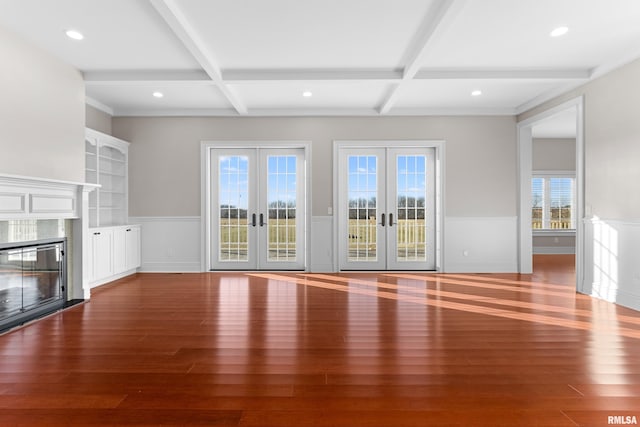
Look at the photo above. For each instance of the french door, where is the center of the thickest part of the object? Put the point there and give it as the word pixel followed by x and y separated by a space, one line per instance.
pixel 257 209
pixel 386 208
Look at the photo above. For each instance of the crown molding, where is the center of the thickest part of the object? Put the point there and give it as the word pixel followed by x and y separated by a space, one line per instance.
pixel 99 105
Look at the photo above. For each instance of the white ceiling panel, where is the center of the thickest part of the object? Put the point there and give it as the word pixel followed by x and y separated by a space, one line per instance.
pixel 119 34
pixel 336 95
pixel 307 33
pixel 376 57
pixel 516 34
pixel 131 99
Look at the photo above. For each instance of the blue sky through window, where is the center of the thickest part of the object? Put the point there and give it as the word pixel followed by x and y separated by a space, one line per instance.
pixel 234 181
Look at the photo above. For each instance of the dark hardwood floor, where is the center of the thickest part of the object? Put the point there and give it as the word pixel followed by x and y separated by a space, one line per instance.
pixel 271 349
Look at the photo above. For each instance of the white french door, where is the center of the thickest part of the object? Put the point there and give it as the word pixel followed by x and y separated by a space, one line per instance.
pixel 386 208
pixel 257 209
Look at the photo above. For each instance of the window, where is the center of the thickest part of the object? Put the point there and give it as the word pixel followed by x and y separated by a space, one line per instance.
pixel 553 202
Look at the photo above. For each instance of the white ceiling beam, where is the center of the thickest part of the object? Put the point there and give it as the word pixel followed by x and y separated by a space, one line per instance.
pixel 243 76
pixel 438 18
pixel 179 24
pixel 502 74
pixel 97 78
pixel 199 77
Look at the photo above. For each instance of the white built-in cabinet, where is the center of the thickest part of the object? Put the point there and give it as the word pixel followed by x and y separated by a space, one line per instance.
pixel 114 245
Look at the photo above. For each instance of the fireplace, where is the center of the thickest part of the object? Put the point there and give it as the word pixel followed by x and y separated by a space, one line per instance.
pixel 33 280
pixel 44 234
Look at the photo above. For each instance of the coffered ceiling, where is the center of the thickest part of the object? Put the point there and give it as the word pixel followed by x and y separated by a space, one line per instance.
pixel 350 57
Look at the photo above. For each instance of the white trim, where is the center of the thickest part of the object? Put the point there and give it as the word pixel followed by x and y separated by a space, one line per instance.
pixel 525 173
pixel 503 73
pixel 389 75
pixel 553 173
pixel 624 222
pixel 549 95
pixel 170 267
pixel 439 146
pixel 137 77
pixel 205 188
pixel 41 198
pixel 99 105
pixel 554 233
pixel 554 250
pixel 134 219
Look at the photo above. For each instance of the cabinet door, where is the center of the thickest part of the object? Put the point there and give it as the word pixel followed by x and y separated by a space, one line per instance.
pixel 132 247
pixel 119 250
pixel 101 253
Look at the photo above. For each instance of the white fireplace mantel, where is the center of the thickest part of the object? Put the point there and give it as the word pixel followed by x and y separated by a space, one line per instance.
pixel 23 197
pixel 31 198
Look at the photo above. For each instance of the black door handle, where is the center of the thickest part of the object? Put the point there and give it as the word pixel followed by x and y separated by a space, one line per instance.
pixel 261 220
pixel 382 218
pixel 253 220
pixel 390 220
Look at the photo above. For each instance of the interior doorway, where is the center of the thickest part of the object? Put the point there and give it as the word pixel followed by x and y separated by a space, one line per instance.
pixel 551 207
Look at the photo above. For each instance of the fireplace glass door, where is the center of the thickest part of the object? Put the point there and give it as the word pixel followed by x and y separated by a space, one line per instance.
pixel 32 280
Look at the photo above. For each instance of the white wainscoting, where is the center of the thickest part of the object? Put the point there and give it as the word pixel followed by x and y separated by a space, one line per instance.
pixel 612 267
pixel 321 244
pixel 172 244
pixel 169 244
pixel 481 245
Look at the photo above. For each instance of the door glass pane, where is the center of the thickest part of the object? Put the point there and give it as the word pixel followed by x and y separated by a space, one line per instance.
pixel 281 200
pixel 362 198
pixel 411 233
pixel 233 197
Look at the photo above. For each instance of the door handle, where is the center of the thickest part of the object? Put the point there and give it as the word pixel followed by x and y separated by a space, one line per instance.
pixel 382 218
pixel 261 220
pixel 390 220
pixel 253 220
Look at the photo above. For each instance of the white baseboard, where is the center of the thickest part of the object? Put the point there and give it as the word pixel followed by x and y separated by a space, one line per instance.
pixel 554 250
pixel 171 267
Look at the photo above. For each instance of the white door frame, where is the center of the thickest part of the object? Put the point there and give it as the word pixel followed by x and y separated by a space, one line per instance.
pixel 439 147
pixel 205 191
pixel 525 159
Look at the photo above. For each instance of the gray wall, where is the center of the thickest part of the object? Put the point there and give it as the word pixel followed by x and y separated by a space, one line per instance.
pixel 612 199
pixel 41 113
pixel 612 141
pixel 554 154
pixel 97 120
pixel 164 156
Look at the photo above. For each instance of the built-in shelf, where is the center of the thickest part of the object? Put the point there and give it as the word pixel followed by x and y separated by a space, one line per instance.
pixel 106 165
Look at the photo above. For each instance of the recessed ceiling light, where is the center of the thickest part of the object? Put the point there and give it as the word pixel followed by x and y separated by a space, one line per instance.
pixel 158 94
pixel 307 94
pixel 560 31
pixel 73 34
pixel 476 93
